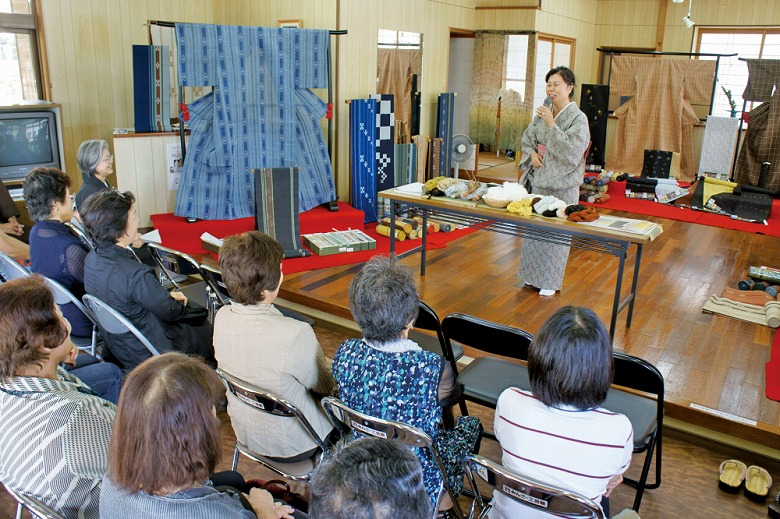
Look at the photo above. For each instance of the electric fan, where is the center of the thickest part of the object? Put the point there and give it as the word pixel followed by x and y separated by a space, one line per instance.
pixel 462 149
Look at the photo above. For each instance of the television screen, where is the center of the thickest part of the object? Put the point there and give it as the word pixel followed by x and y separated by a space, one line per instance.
pixel 25 141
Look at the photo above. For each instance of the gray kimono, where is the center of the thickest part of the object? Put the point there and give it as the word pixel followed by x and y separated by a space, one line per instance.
pixel 542 264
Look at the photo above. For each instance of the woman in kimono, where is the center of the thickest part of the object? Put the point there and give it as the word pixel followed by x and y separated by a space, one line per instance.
pixel 555 142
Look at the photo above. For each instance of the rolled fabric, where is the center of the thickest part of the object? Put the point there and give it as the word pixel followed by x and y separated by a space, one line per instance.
pixel 384 230
pixel 598 199
pixel 398 224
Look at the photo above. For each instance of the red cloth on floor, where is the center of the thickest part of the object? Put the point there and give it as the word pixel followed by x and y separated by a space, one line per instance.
pixel 773 370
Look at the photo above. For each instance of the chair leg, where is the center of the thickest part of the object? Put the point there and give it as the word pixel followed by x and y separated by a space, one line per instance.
pixel 641 483
pixel 19 509
pixel 464 411
pixel 235 458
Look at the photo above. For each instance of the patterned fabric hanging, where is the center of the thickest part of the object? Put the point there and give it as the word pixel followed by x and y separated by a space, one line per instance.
pixel 405 164
pixel 385 140
pixel 444 122
pixel 717 151
pixel 594 103
pixel 151 85
pixel 362 148
pixel 257 116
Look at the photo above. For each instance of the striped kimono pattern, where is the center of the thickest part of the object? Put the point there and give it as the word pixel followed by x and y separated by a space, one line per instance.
pixel 256 117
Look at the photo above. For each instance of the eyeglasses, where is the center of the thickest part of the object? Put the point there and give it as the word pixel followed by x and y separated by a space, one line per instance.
pixel 110 158
pixel 72 197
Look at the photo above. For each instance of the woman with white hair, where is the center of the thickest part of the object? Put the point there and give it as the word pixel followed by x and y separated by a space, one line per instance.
pixel 96 164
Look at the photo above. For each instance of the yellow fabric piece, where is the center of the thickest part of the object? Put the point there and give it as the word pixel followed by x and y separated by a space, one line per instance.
pixel 522 207
pixel 713 186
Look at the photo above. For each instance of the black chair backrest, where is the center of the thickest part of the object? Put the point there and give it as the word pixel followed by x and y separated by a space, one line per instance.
pixel 638 374
pixel 494 338
pixel 213 277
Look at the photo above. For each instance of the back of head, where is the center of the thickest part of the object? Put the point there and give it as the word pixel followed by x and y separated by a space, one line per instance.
pixel 105 216
pixel 570 360
pixel 370 478
pixel 43 187
pixel 88 156
pixel 29 324
pixel 165 434
pixel 250 263
pixel 383 298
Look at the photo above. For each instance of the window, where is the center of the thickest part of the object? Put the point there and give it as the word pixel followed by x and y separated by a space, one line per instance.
pixel 20 77
pixel 551 52
pixel 516 63
pixel 399 40
pixel 732 73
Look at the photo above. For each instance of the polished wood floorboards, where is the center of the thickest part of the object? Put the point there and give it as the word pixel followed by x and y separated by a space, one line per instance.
pixel 707 360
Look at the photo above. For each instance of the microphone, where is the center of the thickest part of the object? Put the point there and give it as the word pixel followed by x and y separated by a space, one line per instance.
pixel 547 103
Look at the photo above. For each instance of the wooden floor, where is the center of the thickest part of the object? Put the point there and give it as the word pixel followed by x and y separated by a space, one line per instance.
pixel 709 361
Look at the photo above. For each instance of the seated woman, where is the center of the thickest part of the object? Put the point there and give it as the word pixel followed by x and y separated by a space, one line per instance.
pixel 388 376
pixel 166 412
pixel 557 433
pixel 255 342
pixel 56 252
pixel 112 274
pixel 96 164
pixel 54 443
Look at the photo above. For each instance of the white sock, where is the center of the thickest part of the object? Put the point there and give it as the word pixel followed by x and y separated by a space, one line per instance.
pixel 546 292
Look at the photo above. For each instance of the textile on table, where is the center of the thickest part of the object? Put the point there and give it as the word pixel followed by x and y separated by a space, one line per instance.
pixel 762 139
pixel 659 114
pixel 385 140
pixel 151 85
pixel 720 142
pixel 444 121
pixel 594 103
pixel 251 119
pixel 405 164
pixel 362 150
pixel 277 213
pixel 403 386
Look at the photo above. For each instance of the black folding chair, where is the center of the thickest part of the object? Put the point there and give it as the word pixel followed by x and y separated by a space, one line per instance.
pixel 531 493
pixel 428 320
pixel 645 411
pixel 267 402
pixel 486 377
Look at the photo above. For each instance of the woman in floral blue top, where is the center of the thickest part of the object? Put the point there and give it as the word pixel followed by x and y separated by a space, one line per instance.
pixel 386 375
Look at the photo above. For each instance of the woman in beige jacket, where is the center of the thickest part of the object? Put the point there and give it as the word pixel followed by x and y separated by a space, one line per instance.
pixel 256 343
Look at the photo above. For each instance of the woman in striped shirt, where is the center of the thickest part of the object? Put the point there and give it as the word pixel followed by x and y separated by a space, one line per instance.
pixel 558 433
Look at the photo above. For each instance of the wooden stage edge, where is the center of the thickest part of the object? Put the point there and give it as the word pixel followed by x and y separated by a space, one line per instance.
pixel 766 436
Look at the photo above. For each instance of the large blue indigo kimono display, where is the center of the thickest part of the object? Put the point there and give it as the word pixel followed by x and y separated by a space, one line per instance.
pixel 259 115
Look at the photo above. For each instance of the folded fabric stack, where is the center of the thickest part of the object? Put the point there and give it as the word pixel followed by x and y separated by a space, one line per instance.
pixel 767 314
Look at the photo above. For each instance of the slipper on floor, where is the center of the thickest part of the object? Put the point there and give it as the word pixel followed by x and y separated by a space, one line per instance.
pixel 732 475
pixel 757 483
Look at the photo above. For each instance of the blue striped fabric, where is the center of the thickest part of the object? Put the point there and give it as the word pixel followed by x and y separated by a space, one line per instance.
pixel 362 148
pixel 251 120
pixel 444 124
pixel 151 83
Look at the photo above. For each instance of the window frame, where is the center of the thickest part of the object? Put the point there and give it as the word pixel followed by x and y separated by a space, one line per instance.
pixel 32 25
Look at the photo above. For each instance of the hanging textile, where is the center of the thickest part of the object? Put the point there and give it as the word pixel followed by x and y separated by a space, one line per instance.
pixel 434 150
pixel 594 103
pixel 163 35
pixel 255 73
pixel 762 139
pixel 659 114
pixel 385 140
pixel 717 151
pixel 276 195
pixel 444 122
pixel 362 151
pixel 395 71
pixel 421 142
pixel 151 86
pixel 405 164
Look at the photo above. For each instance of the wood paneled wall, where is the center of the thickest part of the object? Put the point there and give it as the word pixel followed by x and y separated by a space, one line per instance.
pixel 89 44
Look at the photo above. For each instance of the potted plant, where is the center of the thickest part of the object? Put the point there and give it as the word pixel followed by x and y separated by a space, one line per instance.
pixel 732 103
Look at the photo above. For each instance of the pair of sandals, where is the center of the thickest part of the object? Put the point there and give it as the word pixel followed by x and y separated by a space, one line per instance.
pixel 756 480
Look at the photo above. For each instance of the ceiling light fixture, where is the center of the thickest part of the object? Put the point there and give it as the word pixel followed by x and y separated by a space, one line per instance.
pixel 687 18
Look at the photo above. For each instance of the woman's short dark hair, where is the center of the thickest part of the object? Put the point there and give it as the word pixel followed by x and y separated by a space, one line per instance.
pixel 383 298
pixel 570 359
pixel 566 74
pixel 250 263
pixel 42 187
pixel 369 478
pixel 89 155
pixel 105 216
pixel 29 324
pixel 165 434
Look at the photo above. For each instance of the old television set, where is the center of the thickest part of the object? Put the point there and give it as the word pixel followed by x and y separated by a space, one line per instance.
pixel 29 138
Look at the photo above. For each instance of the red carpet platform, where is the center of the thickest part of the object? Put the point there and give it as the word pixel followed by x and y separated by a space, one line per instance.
pixel 179 234
pixel 618 202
